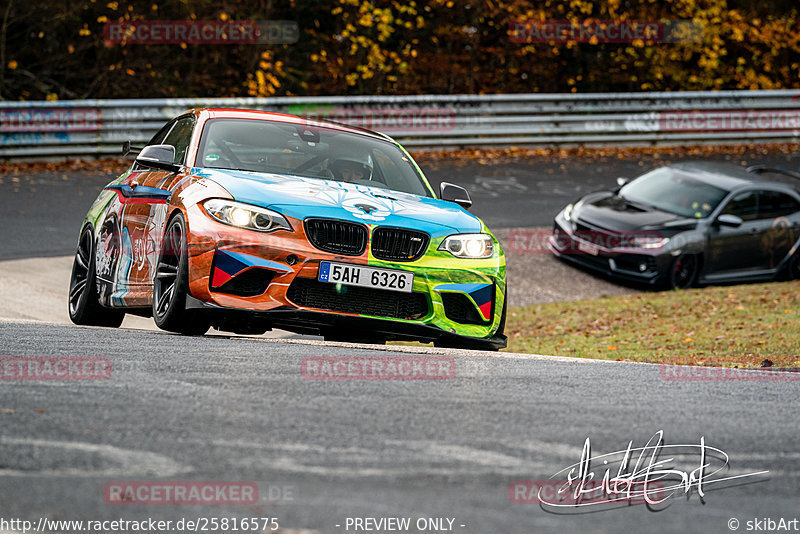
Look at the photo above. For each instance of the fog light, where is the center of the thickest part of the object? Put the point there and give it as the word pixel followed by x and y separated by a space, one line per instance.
pixel 642 267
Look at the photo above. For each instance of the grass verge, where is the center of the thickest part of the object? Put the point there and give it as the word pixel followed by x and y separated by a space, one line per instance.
pixel 736 326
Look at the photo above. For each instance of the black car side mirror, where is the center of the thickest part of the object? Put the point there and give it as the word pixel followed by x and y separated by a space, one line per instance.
pixel 455 193
pixel 728 219
pixel 158 157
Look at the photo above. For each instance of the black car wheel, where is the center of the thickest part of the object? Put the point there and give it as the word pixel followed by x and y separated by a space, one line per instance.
pixel 84 308
pixel 683 271
pixel 171 285
pixel 794 267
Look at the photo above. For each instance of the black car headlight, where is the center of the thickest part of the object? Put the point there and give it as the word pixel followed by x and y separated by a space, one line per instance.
pixel 471 246
pixel 649 242
pixel 245 216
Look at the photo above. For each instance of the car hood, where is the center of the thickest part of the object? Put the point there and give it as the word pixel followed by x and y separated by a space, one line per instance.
pixel 301 198
pixel 609 211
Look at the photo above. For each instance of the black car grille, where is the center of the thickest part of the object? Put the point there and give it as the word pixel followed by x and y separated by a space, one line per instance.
pixel 599 261
pixel 311 293
pixel 458 308
pixel 338 237
pixel 248 284
pixel 398 244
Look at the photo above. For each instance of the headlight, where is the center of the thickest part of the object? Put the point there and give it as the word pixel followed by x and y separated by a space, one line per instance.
pixel 568 212
pixel 469 245
pixel 245 215
pixel 653 241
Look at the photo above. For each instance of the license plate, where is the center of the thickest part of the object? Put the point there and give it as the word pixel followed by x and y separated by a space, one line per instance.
pixel 588 248
pixel 356 275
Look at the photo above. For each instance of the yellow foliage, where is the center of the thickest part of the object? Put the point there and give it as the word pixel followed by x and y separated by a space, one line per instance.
pixel 266 79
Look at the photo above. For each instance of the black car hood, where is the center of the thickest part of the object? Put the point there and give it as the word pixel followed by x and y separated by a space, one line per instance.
pixel 606 210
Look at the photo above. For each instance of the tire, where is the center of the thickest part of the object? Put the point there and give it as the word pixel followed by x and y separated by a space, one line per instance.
pixel 83 305
pixel 171 284
pixel 793 269
pixel 683 271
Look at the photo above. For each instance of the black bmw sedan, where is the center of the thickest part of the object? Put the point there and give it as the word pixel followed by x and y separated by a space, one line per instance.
pixel 686 224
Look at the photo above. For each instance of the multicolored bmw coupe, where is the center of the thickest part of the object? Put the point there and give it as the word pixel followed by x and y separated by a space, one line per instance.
pixel 246 221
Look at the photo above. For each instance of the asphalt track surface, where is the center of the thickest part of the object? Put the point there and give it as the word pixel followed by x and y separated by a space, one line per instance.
pixel 238 409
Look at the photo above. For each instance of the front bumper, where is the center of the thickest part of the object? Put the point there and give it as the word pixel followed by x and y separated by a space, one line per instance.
pixel 453 300
pixel 635 265
pixel 320 323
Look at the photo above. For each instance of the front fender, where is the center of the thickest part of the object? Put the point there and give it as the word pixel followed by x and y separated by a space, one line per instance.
pixel 691 242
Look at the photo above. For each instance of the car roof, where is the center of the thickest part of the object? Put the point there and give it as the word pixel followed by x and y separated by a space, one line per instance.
pixel 232 113
pixel 729 176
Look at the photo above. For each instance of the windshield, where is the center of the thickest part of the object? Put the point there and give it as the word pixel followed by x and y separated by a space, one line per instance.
pixel 313 152
pixel 674 192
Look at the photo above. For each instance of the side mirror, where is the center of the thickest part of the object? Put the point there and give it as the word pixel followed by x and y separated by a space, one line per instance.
pixel 158 157
pixel 727 219
pixel 622 181
pixel 455 193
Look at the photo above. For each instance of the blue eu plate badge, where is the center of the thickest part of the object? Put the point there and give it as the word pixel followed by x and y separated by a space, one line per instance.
pixel 324 271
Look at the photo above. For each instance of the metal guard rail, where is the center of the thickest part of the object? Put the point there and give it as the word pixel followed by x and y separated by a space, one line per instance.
pixel 98 127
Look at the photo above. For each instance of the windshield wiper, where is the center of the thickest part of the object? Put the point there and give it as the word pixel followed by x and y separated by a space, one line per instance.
pixel 639 203
pixel 231 169
pixel 651 207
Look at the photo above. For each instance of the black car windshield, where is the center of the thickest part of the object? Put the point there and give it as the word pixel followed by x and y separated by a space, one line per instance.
pixel 308 151
pixel 675 192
